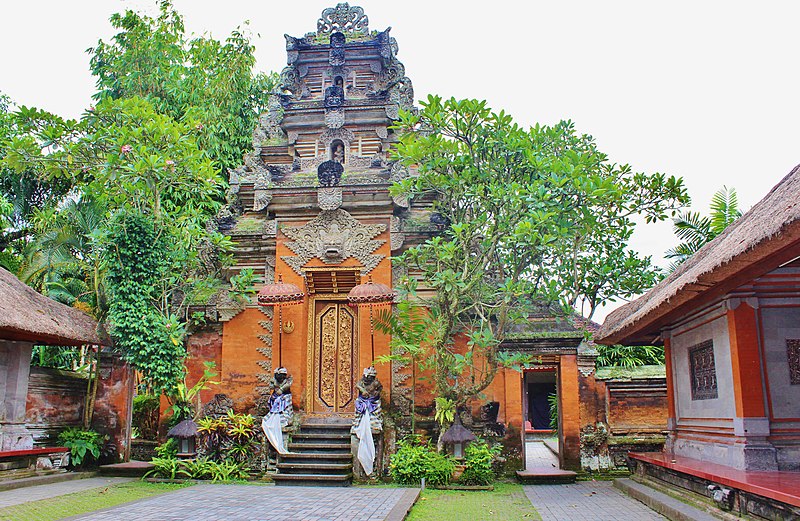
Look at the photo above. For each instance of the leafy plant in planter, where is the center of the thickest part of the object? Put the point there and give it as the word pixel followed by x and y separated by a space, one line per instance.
pixel 415 460
pixel 478 463
pixel 84 445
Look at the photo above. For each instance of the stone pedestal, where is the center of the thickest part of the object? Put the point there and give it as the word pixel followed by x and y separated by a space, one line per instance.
pixel 15 364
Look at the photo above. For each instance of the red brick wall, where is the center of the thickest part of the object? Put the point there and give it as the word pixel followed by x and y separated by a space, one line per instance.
pixel 113 402
pixel 55 402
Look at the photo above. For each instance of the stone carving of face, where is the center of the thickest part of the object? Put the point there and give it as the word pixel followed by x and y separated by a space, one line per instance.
pixel 280 377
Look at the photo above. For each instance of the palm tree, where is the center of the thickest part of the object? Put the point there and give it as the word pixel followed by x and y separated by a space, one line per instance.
pixel 695 230
pixel 64 260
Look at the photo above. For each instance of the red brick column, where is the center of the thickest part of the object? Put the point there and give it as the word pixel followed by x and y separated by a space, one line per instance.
pixel 569 413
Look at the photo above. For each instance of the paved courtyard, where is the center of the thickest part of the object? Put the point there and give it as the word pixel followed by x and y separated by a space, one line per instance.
pixel 587 501
pixel 24 495
pixel 265 503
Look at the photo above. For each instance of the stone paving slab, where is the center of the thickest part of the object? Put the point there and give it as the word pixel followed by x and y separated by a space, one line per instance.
pixel 587 501
pixel 34 493
pixel 265 503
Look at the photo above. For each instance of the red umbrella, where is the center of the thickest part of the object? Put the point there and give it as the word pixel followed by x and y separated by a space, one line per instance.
pixel 371 294
pixel 280 294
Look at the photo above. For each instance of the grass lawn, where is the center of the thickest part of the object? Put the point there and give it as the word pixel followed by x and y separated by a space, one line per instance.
pixel 84 502
pixel 506 502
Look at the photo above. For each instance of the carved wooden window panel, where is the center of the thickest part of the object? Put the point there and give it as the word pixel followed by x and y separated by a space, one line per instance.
pixel 793 355
pixel 703 371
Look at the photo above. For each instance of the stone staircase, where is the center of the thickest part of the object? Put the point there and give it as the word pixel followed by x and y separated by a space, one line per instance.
pixel 320 456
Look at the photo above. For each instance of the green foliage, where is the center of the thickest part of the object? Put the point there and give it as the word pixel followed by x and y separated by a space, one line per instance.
pixel 696 230
pixel 629 356
pixel 552 402
pixel 409 325
pixel 230 438
pixel 415 460
pixel 64 258
pixel 150 340
pixel 478 460
pixel 182 397
pixel 200 468
pixel 445 411
pixel 84 445
pixel 243 284
pixel 145 415
pixel 168 449
pixel 187 78
pixel 164 467
pixel 528 217
pixel 22 194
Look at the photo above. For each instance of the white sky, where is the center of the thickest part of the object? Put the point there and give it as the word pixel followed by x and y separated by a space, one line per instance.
pixel 705 90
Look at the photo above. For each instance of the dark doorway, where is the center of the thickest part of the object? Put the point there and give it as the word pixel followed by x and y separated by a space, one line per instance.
pixel 539 404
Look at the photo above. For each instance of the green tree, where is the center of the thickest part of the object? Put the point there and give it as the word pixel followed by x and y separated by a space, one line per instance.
pixel 695 230
pixel 200 79
pixel 530 216
pixel 22 194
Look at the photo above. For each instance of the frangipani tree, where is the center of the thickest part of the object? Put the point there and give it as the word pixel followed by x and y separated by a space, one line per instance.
pixel 529 216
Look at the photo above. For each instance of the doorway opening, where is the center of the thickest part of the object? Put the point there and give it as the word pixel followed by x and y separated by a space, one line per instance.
pixel 540 391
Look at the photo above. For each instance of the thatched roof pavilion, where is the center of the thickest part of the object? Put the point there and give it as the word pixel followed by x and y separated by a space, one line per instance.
pixel 761 240
pixel 26 315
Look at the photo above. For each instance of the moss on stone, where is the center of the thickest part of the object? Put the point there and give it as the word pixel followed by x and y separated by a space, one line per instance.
pixel 631 373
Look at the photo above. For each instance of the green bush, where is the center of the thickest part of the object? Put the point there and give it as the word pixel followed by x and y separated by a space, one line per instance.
pixel 415 460
pixel 479 457
pixel 145 415
pixel 84 445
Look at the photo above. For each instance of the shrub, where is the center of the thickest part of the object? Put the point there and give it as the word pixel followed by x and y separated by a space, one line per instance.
pixel 84 445
pixel 229 438
pixel 200 468
pixel 478 463
pixel 145 415
pixel 415 460
pixel 168 449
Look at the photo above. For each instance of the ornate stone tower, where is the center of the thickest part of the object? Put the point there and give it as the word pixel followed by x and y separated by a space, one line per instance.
pixel 311 205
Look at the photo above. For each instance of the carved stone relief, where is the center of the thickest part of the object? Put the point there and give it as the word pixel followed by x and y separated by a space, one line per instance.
pixel 332 237
pixel 334 118
pixel 703 371
pixel 329 198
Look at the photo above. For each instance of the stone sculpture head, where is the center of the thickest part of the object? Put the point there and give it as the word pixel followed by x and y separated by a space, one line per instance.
pixel 281 374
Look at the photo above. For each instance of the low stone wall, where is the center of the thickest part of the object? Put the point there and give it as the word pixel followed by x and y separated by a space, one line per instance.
pixel 628 407
pixel 55 402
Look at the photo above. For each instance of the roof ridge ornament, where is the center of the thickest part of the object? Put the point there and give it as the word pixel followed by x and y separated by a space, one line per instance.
pixel 343 18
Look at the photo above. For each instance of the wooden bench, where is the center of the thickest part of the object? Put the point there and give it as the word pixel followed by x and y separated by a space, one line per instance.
pixel 29 458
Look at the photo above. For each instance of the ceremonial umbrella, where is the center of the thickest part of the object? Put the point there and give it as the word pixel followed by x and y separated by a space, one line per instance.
pixel 279 294
pixel 371 294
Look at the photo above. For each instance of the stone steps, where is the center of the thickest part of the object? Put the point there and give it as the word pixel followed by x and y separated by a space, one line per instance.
pixel 320 455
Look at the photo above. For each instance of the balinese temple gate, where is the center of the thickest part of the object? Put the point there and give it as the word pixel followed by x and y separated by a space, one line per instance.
pixel 311 207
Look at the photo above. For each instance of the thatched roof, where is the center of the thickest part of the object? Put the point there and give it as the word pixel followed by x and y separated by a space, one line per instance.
pixel 457 433
pixel 763 239
pixel 185 429
pixel 26 315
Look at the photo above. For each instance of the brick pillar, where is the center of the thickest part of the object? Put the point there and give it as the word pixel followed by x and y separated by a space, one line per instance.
pixel 569 452
pixel 15 365
pixel 113 406
pixel 751 421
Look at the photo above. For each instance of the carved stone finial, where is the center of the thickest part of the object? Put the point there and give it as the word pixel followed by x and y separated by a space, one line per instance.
pixel 343 18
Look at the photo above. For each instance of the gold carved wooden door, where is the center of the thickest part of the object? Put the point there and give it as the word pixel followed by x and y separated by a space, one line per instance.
pixel 335 360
